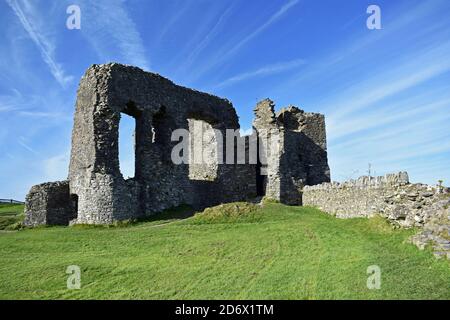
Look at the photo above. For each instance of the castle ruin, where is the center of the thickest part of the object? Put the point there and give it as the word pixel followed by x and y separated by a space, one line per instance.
pixel 97 193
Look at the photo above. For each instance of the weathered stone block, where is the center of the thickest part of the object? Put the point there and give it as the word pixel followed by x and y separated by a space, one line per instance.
pixel 49 204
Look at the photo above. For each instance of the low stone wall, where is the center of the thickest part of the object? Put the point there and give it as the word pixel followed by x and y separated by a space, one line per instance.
pixel 49 204
pixel 436 232
pixel 392 196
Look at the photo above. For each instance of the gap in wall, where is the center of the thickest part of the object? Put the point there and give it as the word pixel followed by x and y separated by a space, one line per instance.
pixel 127 133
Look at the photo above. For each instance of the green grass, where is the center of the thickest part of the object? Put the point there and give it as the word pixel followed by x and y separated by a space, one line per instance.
pixel 10 215
pixel 277 252
pixel 10 209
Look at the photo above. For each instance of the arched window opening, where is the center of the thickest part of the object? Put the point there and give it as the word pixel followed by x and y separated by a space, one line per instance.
pixel 127 145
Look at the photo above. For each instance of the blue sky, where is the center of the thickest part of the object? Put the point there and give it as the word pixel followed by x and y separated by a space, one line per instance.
pixel 385 93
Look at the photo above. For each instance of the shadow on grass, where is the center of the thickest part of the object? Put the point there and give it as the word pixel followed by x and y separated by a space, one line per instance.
pixel 164 217
pixel 177 213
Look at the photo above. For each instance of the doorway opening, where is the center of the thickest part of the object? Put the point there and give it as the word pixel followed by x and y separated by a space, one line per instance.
pixel 261 170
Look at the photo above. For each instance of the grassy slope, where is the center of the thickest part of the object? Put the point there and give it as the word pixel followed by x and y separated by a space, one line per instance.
pixel 10 214
pixel 282 253
pixel 10 209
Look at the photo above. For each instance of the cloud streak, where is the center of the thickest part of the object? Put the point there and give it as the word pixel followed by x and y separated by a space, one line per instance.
pixel 275 17
pixel 207 39
pixel 391 114
pixel 264 71
pixel 26 14
pixel 109 28
pixel 404 79
pixel 24 144
pixel 49 115
pixel 230 51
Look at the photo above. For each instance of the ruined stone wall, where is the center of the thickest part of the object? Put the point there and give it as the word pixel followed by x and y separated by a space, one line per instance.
pixel 436 231
pixel 238 180
pixel 304 160
pixel 392 196
pixel 270 141
pixel 305 145
pixel 294 143
pixel 159 107
pixel 100 194
pixel 49 204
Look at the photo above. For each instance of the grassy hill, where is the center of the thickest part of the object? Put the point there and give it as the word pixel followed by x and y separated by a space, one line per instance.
pixel 235 251
pixel 10 215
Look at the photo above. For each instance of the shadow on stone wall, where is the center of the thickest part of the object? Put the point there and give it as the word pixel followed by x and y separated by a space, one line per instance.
pixel 302 163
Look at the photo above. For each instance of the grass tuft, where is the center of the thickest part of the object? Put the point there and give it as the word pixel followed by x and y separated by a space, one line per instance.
pixel 229 213
pixel 268 200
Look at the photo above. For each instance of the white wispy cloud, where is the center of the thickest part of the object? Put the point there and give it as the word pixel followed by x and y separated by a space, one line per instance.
pixel 411 143
pixel 264 71
pixel 27 14
pixel 24 143
pixel 396 116
pixel 214 32
pixel 34 106
pixel 110 30
pixel 431 124
pixel 371 93
pixel 363 46
pixel 390 114
pixel 177 12
pixel 229 51
pixel 15 101
pixel 275 17
pixel 39 114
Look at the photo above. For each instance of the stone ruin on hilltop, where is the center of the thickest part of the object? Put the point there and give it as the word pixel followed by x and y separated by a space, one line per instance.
pixel 295 171
pixel 97 193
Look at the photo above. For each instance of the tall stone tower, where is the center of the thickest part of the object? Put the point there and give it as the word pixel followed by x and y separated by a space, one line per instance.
pixel 293 151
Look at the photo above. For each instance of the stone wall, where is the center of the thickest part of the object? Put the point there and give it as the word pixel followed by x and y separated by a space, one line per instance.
pixel 436 231
pixel 295 147
pixel 270 141
pixel 305 145
pixel 392 196
pixel 159 107
pixel 49 204
pixel 101 195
